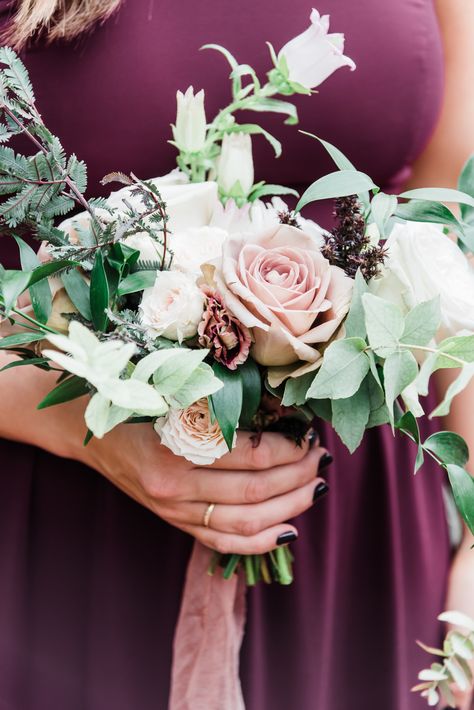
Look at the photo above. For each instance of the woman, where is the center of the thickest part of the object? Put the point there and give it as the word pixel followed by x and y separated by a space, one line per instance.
pixel 90 581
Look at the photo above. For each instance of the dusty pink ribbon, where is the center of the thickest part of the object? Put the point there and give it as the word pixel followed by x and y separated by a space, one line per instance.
pixel 208 636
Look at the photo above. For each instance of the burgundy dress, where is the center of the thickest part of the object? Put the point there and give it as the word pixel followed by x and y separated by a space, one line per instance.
pixel 86 611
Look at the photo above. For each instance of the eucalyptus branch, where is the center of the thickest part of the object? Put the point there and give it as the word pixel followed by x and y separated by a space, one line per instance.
pixel 434 351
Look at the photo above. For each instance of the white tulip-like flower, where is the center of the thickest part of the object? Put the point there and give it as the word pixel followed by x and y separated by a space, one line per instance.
pixel 173 307
pixel 196 246
pixel 191 433
pixel 235 164
pixel 314 55
pixel 190 130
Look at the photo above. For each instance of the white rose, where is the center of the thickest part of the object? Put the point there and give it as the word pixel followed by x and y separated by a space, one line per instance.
pixel 196 246
pixel 422 264
pixel 173 307
pixel 314 55
pixel 187 204
pixel 191 433
pixel 190 130
pixel 235 164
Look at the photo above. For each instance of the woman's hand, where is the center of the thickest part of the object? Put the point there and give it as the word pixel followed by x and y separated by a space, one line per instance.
pixel 255 489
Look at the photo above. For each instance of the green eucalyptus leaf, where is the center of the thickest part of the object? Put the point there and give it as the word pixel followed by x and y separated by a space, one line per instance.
pixel 408 424
pixel 462 484
pixel 439 194
pixel 338 184
pixel 296 389
pixel 400 369
pixel 99 293
pixel 350 416
pixel 78 291
pixel 40 293
pixel 466 184
pixel 422 323
pixel 382 207
pixel 227 402
pixel 384 322
pixel 176 369
pixel 455 388
pixel 448 447
pixel 344 367
pixel 321 408
pixel 355 321
pixel 202 383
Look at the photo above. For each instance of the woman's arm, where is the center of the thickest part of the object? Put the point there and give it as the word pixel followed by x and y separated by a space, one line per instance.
pixel 440 164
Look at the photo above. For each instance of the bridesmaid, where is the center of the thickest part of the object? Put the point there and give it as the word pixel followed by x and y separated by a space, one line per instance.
pixel 91 571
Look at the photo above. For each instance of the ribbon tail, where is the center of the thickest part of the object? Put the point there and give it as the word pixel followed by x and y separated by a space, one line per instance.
pixel 208 636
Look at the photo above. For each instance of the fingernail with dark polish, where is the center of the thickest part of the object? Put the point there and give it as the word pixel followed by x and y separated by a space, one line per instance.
pixel 313 438
pixel 320 491
pixel 286 537
pixel 325 461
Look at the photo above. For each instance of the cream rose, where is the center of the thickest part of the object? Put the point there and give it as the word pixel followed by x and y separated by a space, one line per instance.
pixel 279 285
pixel 173 307
pixel 424 263
pixel 191 433
pixel 196 246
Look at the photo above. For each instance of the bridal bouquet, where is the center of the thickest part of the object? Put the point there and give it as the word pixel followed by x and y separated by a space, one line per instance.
pixel 201 303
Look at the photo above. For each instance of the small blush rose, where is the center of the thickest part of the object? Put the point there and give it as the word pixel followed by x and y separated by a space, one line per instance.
pixel 279 285
pixel 173 306
pixel 228 340
pixel 191 433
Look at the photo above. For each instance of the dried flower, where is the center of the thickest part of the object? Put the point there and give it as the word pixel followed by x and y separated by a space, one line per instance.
pixel 226 337
pixel 349 246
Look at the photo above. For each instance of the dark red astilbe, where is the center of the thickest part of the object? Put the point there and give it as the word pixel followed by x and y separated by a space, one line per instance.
pixel 221 332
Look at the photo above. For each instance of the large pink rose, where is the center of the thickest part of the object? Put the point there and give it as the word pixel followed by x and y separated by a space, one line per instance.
pixel 279 285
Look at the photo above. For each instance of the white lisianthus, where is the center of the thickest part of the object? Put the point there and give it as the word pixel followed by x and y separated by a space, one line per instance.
pixel 314 55
pixel 192 434
pixel 424 263
pixel 235 164
pixel 196 246
pixel 173 307
pixel 190 130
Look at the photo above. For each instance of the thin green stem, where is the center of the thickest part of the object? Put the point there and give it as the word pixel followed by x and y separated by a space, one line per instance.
pixel 41 326
pixel 457 360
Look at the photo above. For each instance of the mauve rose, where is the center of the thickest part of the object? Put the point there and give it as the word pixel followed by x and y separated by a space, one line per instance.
pixel 228 340
pixel 279 285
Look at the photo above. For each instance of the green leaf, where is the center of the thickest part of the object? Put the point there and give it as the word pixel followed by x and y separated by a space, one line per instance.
pixel 459 384
pixel 227 402
pixel 422 323
pixel 201 383
pixel 466 184
pixel 296 389
pixel 176 369
pixel 338 184
pixel 408 424
pixel 344 367
pixel 448 447
pixel 71 388
pixel 255 129
pixel 321 408
pixel 78 291
pixel 463 490
pixel 251 392
pixel 136 282
pixel 277 106
pixel 350 417
pixel 400 369
pixel 382 207
pixel 272 190
pixel 99 293
pixel 433 212
pixel 384 322
pixel 29 361
pixel 439 194
pixel 13 284
pixel 41 298
pixel 11 341
pixel 355 321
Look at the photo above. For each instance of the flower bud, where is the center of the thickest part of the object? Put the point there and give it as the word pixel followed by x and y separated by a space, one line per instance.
pixel 190 130
pixel 235 165
pixel 310 58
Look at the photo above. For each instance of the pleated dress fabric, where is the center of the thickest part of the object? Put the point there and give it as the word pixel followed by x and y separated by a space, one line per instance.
pixel 90 582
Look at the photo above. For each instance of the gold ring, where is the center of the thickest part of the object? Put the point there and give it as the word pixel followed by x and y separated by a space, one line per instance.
pixel 207 515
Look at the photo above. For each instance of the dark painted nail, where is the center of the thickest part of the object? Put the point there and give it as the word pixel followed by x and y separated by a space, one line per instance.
pixel 320 491
pixel 286 537
pixel 325 461
pixel 313 438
